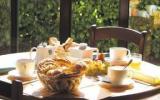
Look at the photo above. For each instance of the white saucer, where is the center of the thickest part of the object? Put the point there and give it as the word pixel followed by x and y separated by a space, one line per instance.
pixel 126 82
pixel 13 74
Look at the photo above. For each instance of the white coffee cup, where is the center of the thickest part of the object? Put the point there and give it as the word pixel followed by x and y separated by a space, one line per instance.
pixel 118 53
pixel 117 74
pixel 25 67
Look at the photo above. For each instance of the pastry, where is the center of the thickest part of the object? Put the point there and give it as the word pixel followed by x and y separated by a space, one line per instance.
pixel 53 41
pixel 67 44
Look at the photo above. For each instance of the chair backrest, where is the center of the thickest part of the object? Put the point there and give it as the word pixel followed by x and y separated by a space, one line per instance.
pixel 120 33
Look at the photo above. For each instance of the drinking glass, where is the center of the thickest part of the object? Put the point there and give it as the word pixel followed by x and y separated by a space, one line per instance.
pixel 137 59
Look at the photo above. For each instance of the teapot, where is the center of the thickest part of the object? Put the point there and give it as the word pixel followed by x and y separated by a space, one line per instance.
pixel 82 51
pixel 42 52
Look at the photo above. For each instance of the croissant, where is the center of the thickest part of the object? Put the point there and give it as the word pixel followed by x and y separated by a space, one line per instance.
pixel 67 44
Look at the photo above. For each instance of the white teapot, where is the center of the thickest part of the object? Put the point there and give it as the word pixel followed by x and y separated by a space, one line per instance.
pixel 42 51
pixel 82 51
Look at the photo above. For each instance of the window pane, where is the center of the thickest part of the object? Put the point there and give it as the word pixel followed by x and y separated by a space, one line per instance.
pixel 145 15
pixel 89 12
pixel 38 20
pixel 5 26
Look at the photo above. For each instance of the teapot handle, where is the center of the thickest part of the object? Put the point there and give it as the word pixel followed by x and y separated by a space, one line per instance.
pixel 31 51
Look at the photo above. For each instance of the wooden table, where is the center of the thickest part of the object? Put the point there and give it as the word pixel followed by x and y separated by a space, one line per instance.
pixel 88 89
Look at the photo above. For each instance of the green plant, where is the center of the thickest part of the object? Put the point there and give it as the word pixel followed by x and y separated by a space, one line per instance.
pixel 4 26
pixel 143 3
pixel 147 24
pixel 38 19
pixel 141 6
pixel 143 24
pixel 156 43
pixel 88 12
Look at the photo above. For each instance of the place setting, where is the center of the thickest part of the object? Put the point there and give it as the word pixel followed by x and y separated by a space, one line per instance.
pixel 24 71
pixel 119 74
pixel 117 77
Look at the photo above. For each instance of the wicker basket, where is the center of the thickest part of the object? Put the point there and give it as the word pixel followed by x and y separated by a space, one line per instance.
pixel 63 83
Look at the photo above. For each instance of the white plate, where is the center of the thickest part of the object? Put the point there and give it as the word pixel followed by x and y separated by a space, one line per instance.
pixel 15 73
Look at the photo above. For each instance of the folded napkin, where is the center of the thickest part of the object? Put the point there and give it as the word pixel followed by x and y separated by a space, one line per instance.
pixel 148 73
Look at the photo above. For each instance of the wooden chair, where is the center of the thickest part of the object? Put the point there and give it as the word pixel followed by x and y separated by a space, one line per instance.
pixel 120 33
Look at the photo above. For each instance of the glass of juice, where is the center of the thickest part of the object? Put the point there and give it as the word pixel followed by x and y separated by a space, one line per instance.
pixel 137 59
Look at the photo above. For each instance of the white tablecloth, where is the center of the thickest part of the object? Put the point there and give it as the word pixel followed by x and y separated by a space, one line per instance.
pixel 8 61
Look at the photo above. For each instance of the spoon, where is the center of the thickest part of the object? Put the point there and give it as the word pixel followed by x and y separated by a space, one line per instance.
pixel 128 64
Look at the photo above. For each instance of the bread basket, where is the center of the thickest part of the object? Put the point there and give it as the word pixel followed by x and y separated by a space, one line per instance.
pixel 61 81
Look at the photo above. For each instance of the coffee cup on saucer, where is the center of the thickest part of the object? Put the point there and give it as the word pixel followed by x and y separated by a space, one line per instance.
pixel 25 67
pixel 118 75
